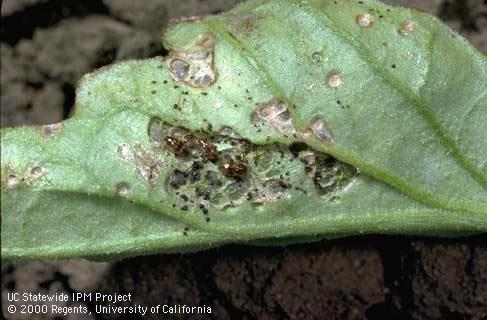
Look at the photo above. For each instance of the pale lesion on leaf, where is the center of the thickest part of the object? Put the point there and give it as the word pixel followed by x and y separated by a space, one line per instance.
pixel 50 130
pixel 147 164
pixel 276 114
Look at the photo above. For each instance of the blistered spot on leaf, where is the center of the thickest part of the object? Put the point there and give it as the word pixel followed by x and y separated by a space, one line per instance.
pixel 194 65
pixel 34 173
pixel 123 189
pixel 50 130
pixel 365 20
pixel 318 57
pixel 334 79
pixel 407 27
pixel 276 114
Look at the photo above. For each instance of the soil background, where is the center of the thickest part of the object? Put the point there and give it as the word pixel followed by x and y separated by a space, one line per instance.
pixel 47 45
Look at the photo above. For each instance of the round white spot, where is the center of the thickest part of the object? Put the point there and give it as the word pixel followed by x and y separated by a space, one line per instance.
pixel 364 20
pixel 334 79
pixel 35 172
pixel 12 181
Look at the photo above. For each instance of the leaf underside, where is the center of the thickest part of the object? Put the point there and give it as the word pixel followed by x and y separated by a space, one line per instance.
pixel 276 122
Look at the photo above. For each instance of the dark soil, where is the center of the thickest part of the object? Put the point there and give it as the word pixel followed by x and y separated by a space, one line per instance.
pixel 47 45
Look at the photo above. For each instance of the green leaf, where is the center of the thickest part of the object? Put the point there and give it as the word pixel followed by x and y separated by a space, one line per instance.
pixel 276 122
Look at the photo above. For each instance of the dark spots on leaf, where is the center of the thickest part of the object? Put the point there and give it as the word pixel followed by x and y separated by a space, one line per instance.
pixel 180 69
pixel 213 179
pixel 194 65
pixel 177 179
pixel 296 147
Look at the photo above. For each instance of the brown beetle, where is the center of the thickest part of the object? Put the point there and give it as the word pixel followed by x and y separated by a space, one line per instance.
pixel 207 148
pixel 177 145
pixel 233 168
